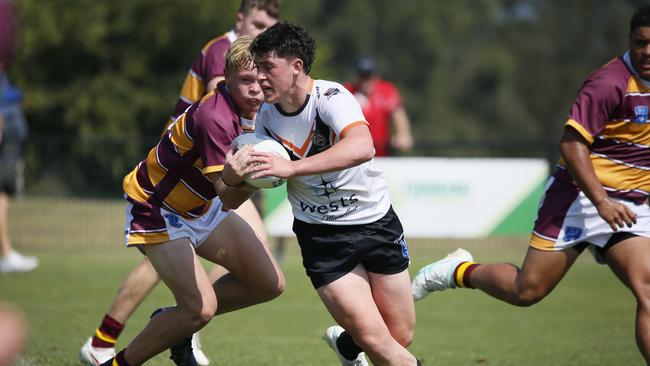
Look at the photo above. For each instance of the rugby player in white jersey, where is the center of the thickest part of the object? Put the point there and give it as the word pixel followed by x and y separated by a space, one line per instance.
pixel 351 240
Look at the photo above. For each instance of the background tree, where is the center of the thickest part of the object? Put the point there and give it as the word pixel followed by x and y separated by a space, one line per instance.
pixel 478 77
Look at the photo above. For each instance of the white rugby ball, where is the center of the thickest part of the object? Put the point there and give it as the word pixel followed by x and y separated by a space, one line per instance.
pixel 264 144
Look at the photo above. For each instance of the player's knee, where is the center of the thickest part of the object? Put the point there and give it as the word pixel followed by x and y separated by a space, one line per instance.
pixel 373 342
pixel 529 297
pixel 204 315
pixel 273 287
pixel 641 291
pixel 402 331
pixel 200 312
pixel 404 338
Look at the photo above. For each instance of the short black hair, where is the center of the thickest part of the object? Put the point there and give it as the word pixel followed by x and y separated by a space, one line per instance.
pixel 272 7
pixel 286 40
pixel 641 18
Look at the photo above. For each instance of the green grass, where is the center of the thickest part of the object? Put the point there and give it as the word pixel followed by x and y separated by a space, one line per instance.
pixel 587 320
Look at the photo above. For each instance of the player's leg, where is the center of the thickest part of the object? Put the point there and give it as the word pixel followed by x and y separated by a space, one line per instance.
pixel 565 215
pixel 628 258
pixel 392 294
pixel 134 289
pixel 253 274
pixel 350 301
pixel 538 276
pixel 249 212
pixel 180 269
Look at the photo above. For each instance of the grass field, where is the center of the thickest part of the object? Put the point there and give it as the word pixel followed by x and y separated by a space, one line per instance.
pixel 587 320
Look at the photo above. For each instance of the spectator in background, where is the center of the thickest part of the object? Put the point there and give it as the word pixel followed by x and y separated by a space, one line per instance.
pixel 208 68
pixel 13 135
pixel 381 104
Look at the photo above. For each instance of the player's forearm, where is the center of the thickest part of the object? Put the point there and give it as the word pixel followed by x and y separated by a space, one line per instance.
pixel 232 194
pixel 401 122
pixel 348 152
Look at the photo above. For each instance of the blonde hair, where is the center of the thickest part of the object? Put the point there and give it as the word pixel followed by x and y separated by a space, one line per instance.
pixel 238 56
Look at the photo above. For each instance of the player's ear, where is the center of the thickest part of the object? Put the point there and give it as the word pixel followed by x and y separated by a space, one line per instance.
pixel 297 66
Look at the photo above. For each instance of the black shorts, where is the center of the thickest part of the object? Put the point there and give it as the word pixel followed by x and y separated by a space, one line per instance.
pixel 11 168
pixel 598 252
pixel 329 252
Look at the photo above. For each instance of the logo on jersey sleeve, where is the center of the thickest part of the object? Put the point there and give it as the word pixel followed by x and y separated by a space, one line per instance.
pixel 331 92
pixel 641 114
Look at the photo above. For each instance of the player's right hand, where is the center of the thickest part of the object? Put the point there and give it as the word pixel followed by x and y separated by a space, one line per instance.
pixel 616 214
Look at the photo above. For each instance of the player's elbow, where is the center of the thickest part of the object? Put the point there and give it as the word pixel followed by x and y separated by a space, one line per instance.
pixel 365 152
pixel 230 204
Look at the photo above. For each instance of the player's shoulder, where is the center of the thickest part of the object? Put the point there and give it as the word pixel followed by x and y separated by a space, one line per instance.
pixel 327 91
pixel 614 73
pixel 218 44
pixel 216 105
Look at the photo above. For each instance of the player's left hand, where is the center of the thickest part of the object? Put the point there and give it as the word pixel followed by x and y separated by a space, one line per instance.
pixel 235 167
pixel 616 214
pixel 264 164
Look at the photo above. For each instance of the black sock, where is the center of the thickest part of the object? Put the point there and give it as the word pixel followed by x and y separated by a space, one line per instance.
pixel 347 347
pixel 419 362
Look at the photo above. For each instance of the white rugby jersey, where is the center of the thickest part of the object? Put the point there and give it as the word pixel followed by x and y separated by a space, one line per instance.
pixel 357 195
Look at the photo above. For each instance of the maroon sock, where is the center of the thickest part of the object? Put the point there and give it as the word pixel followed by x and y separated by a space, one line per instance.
pixel 107 333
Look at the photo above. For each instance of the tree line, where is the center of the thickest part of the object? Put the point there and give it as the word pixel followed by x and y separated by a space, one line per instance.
pixel 101 77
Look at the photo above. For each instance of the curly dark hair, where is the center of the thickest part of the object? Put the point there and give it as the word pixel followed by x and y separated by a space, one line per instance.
pixel 641 18
pixel 286 40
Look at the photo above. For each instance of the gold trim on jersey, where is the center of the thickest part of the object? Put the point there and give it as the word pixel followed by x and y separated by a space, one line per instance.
pixel 635 133
pixel 619 176
pixel 207 96
pixel 634 86
pixel 580 129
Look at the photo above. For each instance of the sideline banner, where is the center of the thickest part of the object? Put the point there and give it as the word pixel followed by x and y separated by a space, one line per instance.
pixel 447 197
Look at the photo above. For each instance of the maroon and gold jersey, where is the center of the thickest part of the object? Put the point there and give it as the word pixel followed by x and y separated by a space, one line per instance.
pixel 208 64
pixel 611 113
pixel 173 176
